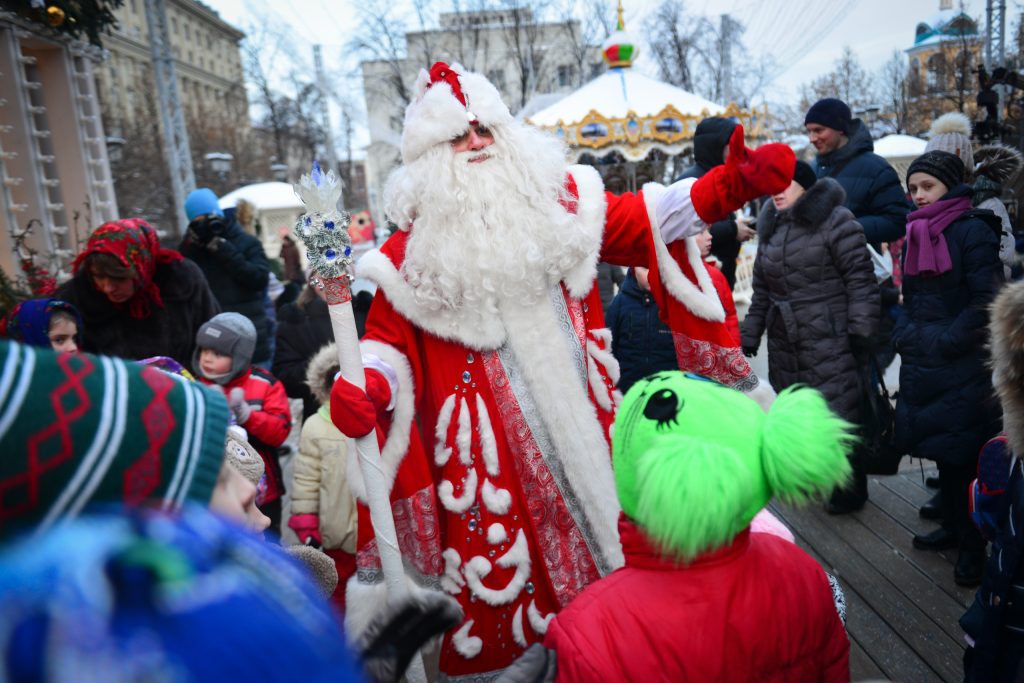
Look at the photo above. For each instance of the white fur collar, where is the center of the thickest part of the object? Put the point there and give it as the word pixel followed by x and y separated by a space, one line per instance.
pixel 469 326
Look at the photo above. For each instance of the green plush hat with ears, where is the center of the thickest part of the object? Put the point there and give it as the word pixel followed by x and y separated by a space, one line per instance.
pixel 696 460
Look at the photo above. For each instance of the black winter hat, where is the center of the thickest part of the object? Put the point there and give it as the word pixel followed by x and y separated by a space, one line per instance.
pixel 804 175
pixel 709 140
pixel 832 113
pixel 947 168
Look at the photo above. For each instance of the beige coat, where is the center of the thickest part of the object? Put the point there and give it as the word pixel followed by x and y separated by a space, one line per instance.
pixel 320 484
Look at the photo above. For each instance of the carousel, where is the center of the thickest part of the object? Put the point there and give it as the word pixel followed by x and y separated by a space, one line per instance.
pixel 632 128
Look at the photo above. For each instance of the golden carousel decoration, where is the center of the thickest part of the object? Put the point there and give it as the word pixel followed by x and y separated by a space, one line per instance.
pixel 634 128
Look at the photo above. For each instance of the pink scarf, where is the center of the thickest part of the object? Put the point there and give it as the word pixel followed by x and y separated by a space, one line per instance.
pixel 926 251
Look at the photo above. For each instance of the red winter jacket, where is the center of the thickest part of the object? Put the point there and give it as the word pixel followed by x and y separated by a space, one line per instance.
pixel 268 424
pixel 760 609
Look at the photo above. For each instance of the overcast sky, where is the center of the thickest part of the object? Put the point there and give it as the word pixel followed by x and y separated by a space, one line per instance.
pixel 805 35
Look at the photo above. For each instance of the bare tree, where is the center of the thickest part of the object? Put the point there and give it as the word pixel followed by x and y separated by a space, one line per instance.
pixel 261 52
pixel 848 81
pixel 894 92
pixel 675 39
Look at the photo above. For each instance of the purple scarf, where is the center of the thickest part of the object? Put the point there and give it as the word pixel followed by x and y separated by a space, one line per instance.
pixel 926 251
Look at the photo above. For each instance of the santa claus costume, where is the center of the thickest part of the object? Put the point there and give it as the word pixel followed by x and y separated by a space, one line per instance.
pixel 490 366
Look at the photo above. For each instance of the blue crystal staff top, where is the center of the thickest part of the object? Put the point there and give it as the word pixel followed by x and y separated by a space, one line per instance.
pixel 323 228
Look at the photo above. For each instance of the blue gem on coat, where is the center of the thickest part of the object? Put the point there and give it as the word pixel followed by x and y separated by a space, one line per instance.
pixel 529 587
pixel 472 525
pixel 469 357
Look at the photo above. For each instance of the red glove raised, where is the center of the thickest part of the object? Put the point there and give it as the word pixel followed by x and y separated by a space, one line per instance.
pixel 355 412
pixel 745 175
pixel 305 527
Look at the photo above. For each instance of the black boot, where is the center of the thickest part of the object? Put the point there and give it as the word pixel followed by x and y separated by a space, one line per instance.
pixel 933 508
pixel 940 539
pixel 970 565
pixel 850 499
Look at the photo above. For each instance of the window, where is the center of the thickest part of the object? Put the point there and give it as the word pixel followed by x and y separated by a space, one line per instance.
pixel 937 73
pixel 565 75
pixel 188 32
pixel 174 26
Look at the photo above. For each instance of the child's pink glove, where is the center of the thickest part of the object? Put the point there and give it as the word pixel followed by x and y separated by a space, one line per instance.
pixel 306 526
pixel 354 411
pixel 239 406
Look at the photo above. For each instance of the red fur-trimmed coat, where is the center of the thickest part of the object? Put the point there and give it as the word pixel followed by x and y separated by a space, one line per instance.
pixel 758 609
pixel 497 441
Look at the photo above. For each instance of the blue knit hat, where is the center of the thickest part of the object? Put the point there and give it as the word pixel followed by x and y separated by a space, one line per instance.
pixel 831 113
pixel 202 201
pixel 147 596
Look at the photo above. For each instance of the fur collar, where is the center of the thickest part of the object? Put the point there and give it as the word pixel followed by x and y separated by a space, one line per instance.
pixel 814 206
pixel 1007 334
pixel 470 326
pixel 317 379
pixel 1000 163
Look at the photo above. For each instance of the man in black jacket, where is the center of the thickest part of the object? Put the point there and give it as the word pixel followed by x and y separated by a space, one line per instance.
pixel 234 263
pixel 710 146
pixel 845 152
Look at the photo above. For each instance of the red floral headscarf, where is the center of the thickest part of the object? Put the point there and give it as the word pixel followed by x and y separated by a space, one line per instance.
pixel 135 244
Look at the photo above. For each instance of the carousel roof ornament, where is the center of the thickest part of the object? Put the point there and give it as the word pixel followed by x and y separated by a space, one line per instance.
pixel 624 111
pixel 619 49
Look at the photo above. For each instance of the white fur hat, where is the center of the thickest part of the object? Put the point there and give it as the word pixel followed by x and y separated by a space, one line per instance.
pixel 952 133
pixel 446 100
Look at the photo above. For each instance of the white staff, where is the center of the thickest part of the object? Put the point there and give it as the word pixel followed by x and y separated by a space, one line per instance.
pixel 324 231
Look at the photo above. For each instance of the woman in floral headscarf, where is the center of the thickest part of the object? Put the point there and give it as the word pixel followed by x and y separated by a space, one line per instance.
pixel 136 298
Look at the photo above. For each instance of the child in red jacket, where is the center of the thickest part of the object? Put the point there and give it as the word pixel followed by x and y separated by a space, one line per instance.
pixel 223 356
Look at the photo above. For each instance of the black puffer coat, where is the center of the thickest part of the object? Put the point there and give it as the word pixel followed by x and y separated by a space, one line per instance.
pixel 301 332
pixel 641 342
pixel 946 410
pixel 873 190
pixel 814 286
pixel 237 271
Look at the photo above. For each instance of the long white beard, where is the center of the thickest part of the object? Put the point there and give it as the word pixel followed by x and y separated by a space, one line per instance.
pixel 490 231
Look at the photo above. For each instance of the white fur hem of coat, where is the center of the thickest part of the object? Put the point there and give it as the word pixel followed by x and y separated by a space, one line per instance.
pixel 397 442
pixel 562 400
pixel 366 601
pixel 702 301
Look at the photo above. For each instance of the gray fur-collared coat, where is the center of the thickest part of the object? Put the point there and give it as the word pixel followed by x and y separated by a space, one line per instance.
pixel 814 286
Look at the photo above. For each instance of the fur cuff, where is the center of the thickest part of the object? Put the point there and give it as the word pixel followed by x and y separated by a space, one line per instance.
pixel 702 301
pixel 590 217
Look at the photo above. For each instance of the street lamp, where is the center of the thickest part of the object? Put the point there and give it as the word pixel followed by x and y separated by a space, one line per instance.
pixel 220 163
pixel 115 145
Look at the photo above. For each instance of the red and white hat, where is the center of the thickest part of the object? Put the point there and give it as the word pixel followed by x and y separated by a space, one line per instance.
pixel 446 101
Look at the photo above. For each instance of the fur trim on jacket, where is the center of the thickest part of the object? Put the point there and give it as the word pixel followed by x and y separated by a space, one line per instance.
pixel 1007 329
pixel 1000 163
pixel 320 372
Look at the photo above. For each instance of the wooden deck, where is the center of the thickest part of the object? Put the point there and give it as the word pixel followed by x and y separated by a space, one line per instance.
pixel 902 604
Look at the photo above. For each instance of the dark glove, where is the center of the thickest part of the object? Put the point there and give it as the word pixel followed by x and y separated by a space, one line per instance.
pixel 861 346
pixel 393 637
pixel 749 351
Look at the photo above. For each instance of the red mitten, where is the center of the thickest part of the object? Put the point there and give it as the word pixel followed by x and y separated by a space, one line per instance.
pixel 306 527
pixel 745 175
pixel 354 411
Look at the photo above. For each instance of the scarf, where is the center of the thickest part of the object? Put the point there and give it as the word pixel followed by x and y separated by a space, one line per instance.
pixel 29 321
pixel 926 252
pixel 135 244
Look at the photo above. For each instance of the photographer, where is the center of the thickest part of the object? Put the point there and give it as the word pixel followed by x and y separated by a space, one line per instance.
pixel 234 263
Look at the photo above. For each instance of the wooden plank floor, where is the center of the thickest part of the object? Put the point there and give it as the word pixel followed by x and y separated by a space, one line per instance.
pixel 902 603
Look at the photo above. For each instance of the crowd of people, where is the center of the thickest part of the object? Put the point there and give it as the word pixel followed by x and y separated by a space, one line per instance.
pixel 578 482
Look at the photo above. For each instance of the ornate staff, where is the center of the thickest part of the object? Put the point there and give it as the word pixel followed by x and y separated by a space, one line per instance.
pixel 324 231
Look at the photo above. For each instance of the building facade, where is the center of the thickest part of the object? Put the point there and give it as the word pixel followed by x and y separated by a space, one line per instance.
pixel 943 63
pixel 207 60
pixel 532 63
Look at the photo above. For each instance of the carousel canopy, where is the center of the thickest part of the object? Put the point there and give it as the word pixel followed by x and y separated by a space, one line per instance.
pixel 626 112
pixel 620 91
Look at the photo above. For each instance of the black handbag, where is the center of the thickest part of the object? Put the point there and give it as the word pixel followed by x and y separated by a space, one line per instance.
pixel 879 453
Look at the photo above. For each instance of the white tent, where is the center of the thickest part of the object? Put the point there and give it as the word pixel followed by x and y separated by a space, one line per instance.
pixel 277 209
pixel 899 151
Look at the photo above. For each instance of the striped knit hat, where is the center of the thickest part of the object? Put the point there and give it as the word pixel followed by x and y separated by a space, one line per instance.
pixel 77 429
